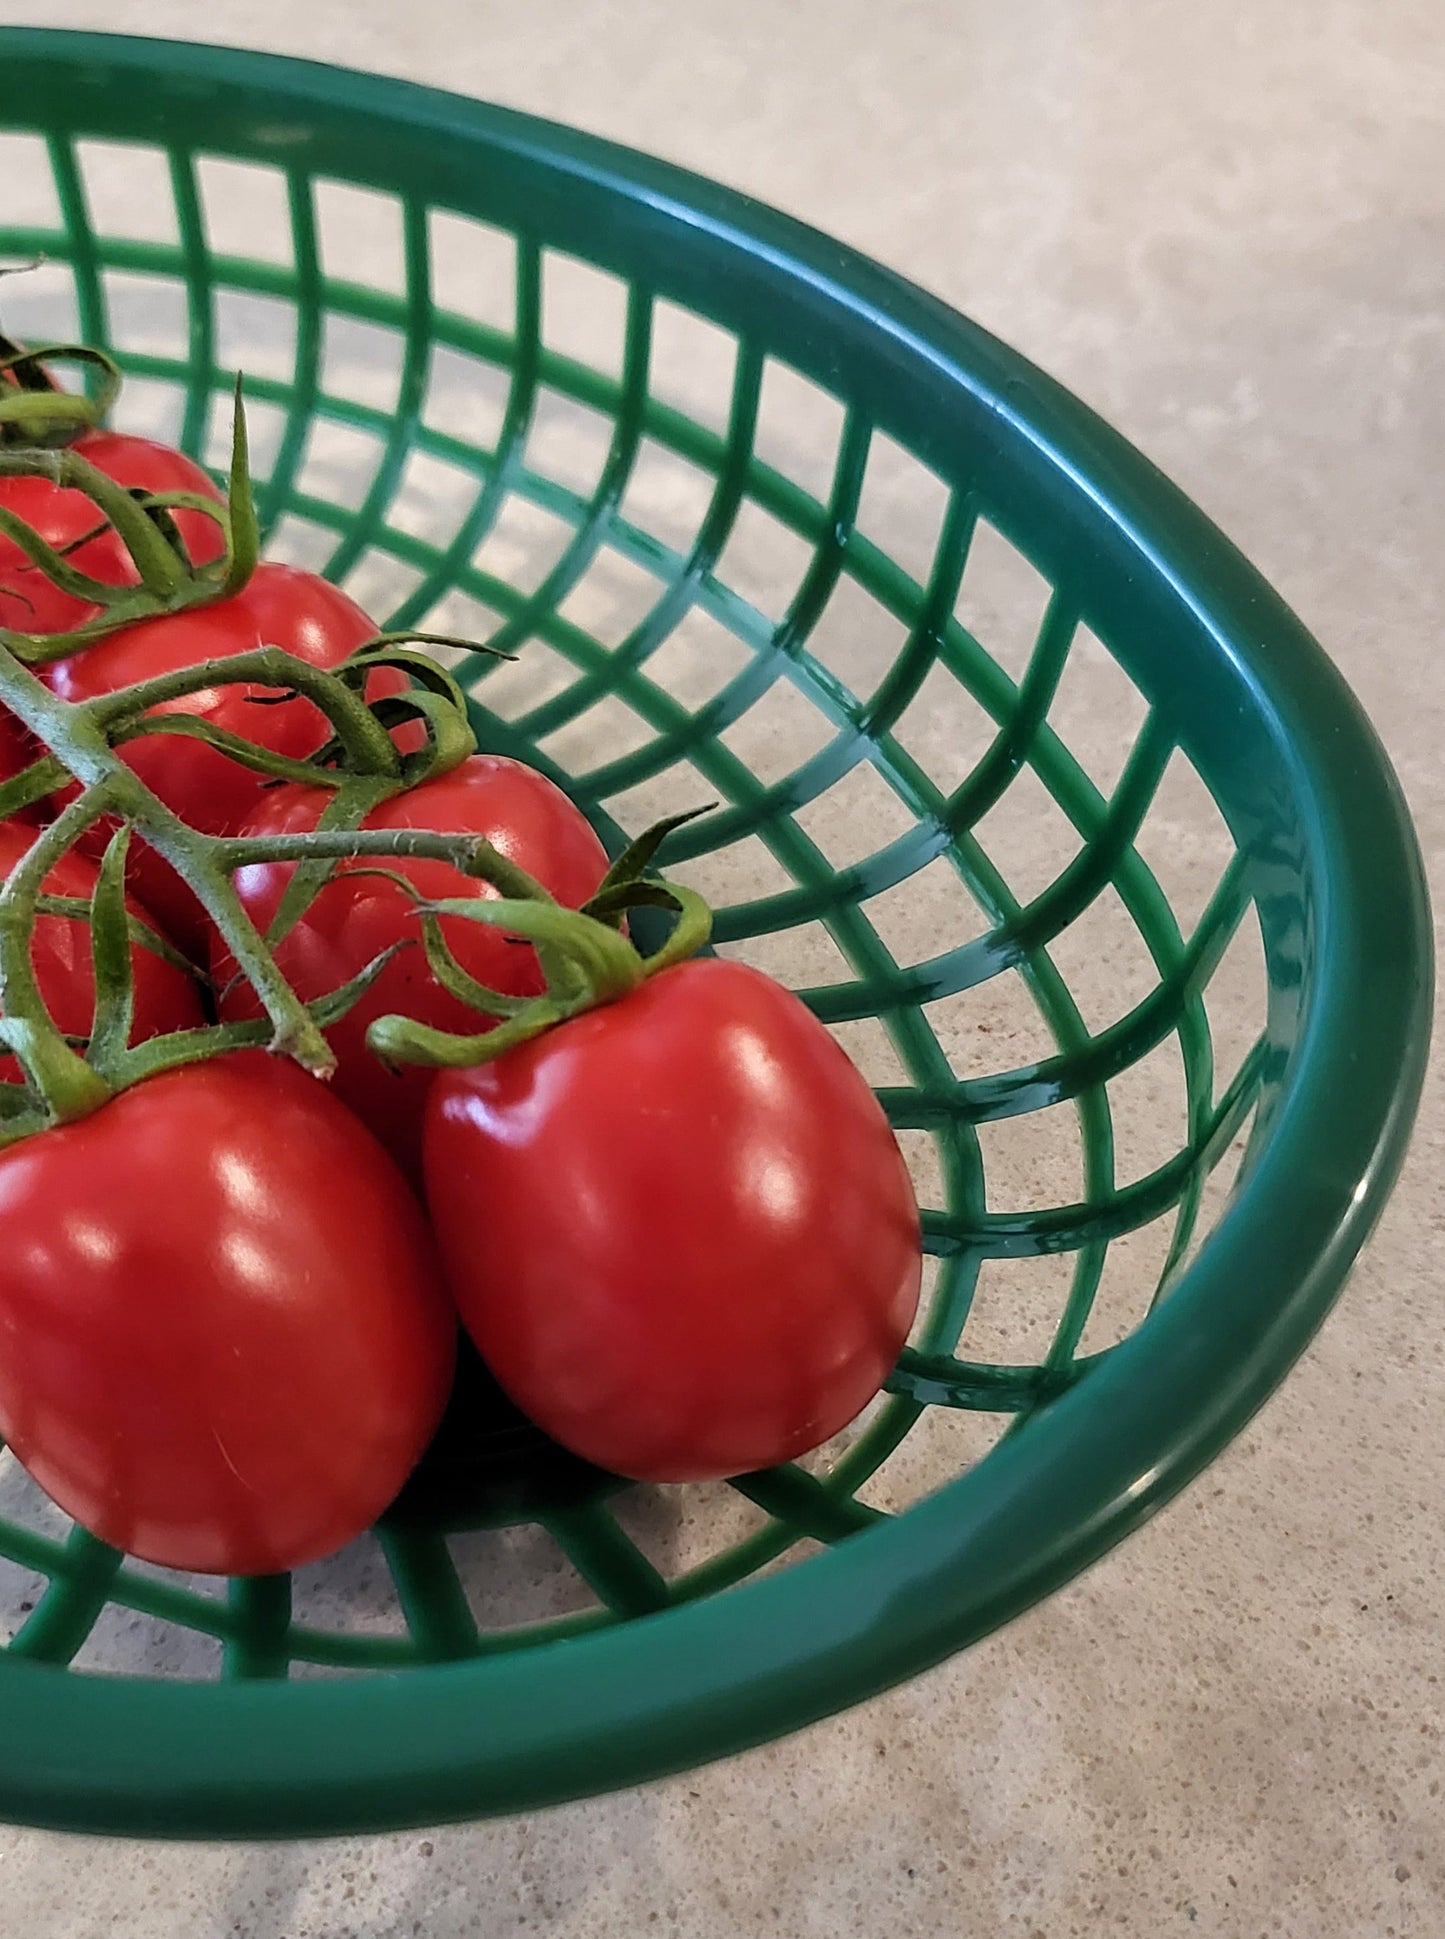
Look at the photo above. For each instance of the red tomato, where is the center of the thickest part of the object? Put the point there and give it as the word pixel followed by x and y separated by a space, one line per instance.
pixel 356 916
pixel 165 997
pixel 29 603
pixel 226 1345
pixel 279 606
pixel 678 1227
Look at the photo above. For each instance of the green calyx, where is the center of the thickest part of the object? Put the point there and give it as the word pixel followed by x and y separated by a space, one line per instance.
pixel 430 699
pixel 585 957
pixel 62 1084
pixel 169 581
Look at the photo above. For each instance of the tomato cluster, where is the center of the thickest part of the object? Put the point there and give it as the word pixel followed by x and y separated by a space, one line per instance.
pixel 675 1223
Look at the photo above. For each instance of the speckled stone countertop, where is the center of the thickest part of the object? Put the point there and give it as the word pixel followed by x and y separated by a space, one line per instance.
pixel 1224 224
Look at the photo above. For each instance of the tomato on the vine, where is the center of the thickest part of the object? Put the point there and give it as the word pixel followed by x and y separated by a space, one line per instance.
pixel 280 606
pixel 165 997
pixel 29 602
pixel 678 1227
pixel 226 1343
pixel 357 915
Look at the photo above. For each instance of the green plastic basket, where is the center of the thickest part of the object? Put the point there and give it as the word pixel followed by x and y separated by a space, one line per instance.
pixel 773 528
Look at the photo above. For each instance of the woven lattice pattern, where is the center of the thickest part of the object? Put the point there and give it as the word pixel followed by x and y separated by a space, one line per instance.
pixel 944 814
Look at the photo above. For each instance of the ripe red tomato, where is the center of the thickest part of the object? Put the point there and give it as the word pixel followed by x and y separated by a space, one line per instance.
pixel 357 916
pixel 279 606
pixel 29 603
pixel 165 997
pixel 678 1227
pixel 226 1344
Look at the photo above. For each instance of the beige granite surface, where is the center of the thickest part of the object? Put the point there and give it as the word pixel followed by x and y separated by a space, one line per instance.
pixel 1224 224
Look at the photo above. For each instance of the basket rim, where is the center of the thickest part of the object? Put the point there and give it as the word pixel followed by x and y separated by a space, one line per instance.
pixel 622 1705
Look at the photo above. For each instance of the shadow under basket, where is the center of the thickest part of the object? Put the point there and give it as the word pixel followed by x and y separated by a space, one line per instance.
pixel 1024 778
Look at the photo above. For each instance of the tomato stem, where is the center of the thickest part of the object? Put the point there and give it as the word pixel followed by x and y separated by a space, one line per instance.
pixel 66 1086
pixel 369 749
pixel 110 947
pixel 471 854
pixel 183 1047
pixel 80 739
pixel 33 407
pixel 78 908
pixel 76 736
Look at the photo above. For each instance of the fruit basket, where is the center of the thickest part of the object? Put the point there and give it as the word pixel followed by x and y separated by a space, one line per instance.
pixel 1020 773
